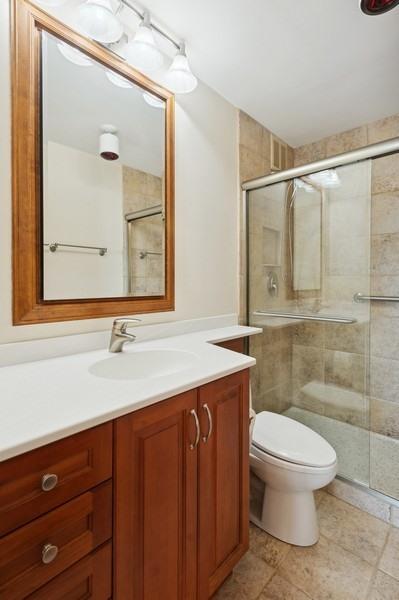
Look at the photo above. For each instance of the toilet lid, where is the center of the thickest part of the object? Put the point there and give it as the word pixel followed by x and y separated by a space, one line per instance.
pixel 291 441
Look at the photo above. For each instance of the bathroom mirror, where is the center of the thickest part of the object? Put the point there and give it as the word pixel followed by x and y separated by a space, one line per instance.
pixel 93 212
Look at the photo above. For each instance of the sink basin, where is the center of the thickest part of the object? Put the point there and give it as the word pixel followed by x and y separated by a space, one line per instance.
pixel 144 364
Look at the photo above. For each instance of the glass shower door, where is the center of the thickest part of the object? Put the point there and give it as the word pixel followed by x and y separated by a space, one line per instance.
pixel 308 255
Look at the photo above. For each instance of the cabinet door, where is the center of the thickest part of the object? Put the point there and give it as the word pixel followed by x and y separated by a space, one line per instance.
pixel 223 479
pixel 156 502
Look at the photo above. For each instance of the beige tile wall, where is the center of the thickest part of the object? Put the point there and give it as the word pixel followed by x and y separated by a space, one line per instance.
pixel 291 357
pixel 348 369
pixel 271 378
pixel 144 190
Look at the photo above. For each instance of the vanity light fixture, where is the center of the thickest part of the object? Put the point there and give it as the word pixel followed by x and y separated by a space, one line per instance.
pixel 153 100
pixel 97 19
pixel 142 51
pixel 179 77
pixel 74 55
pixel 118 80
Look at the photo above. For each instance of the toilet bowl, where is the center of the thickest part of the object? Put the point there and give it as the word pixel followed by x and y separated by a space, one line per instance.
pixel 293 461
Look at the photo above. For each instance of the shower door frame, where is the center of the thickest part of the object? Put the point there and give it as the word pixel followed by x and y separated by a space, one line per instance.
pixel 377 150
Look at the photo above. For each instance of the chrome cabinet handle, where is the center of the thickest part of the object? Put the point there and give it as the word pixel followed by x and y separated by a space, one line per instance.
pixel 206 437
pixel 197 429
pixel 49 481
pixel 49 552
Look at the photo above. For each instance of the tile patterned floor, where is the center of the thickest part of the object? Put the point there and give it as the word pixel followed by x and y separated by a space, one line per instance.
pixel 356 558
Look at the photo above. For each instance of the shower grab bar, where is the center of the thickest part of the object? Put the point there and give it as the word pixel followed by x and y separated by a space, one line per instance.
pixel 361 298
pixel 343 320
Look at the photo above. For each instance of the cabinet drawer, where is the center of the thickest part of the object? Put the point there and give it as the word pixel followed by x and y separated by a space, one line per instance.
pixel 27 558
pixel 65 469
pixel 88 579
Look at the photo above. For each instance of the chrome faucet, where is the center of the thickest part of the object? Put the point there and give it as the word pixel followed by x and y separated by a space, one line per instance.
pixel 119 335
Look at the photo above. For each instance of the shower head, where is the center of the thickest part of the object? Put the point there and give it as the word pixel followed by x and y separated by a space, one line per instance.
pixel 377 7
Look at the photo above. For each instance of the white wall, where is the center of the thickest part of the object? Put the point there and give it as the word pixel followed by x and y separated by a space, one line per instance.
pixel 82 205
pixel 206 210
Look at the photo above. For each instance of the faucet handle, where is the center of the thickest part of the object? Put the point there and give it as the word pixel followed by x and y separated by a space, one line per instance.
pixel 121 324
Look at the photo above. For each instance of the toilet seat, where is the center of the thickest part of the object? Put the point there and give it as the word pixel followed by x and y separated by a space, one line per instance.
pixel 277 436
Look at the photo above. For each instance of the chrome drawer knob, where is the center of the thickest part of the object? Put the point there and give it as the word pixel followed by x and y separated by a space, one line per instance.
pixel 49 481
pixel 49 552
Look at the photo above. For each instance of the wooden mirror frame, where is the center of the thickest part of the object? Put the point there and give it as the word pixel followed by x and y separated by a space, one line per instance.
pixel 28 306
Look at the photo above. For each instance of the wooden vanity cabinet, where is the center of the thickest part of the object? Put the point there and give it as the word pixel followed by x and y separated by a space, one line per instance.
pixel 223 480
pixel 181 489
pixel 153 504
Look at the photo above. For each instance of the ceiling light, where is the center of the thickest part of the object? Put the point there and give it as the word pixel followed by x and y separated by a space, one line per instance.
pixel 98 21
pixel 142 51
pixel 300 184
pixel 153 101
pixel 179 78
pixel 118 80
pixel 326 179
pixel 74 55
pixel 377 7
pixel 109 142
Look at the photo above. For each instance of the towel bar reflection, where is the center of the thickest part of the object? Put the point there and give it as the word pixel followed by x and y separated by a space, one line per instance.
pixel 361 298
pixel 144 253
pixel 53 247
pixel 342 320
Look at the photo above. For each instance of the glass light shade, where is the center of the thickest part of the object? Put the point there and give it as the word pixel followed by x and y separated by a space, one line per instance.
pixel 153 101
pixel 179 78
pixel 118 80
pixel 142 51
pixel 53 3
pixel 74 55
pixel 97 20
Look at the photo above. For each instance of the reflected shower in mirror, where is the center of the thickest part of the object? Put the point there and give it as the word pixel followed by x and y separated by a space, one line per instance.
pixel 103 166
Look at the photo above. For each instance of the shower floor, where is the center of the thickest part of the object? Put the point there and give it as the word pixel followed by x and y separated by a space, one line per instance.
pixel 351 443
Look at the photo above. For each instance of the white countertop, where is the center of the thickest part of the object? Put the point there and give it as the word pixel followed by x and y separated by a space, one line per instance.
pixel 46 400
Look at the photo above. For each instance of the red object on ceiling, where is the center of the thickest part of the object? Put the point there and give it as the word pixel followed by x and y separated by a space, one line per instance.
pixel 377 7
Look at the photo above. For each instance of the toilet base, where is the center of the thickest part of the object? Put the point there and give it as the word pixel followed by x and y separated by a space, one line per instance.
pixel 289 516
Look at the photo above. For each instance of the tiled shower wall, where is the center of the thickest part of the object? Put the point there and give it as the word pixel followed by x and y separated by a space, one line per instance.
pixel 144 190
pixel 271 378
pixel 289 357
pixel 384 317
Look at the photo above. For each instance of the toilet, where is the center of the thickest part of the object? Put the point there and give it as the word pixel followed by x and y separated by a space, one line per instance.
pixel 293 461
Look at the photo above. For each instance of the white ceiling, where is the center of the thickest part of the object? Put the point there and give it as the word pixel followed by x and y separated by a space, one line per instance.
pixel 77 101
pixel 304 68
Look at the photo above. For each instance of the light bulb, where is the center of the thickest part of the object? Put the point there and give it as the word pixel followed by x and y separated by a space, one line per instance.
pixel 118 80
pixel 179 78
pixel 74 55
pixel 142 51
pixel 153 101
pixel 97 20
